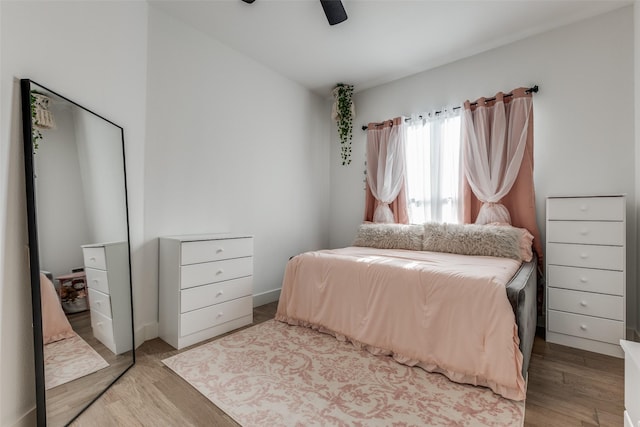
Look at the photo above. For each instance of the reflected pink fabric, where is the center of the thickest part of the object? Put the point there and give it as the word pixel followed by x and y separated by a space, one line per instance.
pixel 55 325
pixel 446 313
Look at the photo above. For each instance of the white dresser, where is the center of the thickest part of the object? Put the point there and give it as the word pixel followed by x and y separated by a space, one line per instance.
pixel 586 272
pixel 206 286
pixel 631 383
pixel 107 268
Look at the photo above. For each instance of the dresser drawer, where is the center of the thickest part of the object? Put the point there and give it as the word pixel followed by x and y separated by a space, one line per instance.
pixel 100 302
pixel 590 304
pixel 594 328
pixel 586 208
pixel 586 279
pixel 215 250
pixel 217 314
pixel 590 256
pixel 587 232
pixel 97 279
pixel 103 329
pixel 95 258
pixel 203 296
pixel 213 272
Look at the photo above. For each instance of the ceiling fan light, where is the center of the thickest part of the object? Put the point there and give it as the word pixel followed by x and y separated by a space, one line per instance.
pixel 334 10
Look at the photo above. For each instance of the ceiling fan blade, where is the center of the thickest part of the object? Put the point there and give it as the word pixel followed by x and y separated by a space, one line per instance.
pixel 334 10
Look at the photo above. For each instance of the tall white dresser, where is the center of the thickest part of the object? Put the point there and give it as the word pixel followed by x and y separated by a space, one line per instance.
pixel 586 272
pixel 206 286
pixel 107 268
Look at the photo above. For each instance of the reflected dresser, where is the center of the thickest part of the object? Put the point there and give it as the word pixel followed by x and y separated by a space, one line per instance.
pixel 206 286
pixel 586 272
pixel 107 268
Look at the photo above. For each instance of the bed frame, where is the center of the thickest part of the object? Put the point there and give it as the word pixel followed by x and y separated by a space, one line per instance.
pixel 522 295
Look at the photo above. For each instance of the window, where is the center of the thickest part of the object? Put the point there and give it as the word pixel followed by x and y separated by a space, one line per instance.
pixel 434 169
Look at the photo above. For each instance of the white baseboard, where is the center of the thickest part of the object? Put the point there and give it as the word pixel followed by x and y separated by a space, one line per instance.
pixel 145 333
pixel 27 420
pixel 266 297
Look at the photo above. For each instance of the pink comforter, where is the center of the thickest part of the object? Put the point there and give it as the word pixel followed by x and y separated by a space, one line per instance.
pixel 446 313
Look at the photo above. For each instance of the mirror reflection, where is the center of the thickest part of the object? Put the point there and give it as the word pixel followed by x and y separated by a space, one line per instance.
pixel 83 252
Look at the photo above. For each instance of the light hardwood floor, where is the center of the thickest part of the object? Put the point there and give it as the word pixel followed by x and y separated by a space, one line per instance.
pixel 566 387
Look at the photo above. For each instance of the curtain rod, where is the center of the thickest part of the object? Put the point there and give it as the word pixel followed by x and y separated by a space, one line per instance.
pixel 532 89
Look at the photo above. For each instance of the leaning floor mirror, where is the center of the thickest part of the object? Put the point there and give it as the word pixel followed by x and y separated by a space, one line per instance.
pixel 78 251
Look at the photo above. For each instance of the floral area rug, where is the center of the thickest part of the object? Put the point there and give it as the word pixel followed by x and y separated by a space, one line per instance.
pixel 273 374
pixel 69 359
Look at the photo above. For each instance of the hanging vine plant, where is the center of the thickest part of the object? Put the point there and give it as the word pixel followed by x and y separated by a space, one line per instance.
pixel 41 117
pixel 36 135
pixel 344 113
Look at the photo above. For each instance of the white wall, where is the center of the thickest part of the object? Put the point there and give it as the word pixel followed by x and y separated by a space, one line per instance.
pixel 59 196
pixel 231 147
pixel 584 117
pixel 99 146
pixel 95 54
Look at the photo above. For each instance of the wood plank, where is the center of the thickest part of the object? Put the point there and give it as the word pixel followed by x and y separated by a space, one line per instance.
pixel 610 420
pixel 194 407
pixel 561 399
pixel 543 416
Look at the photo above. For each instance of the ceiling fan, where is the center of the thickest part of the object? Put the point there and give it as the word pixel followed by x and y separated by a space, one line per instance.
pixel 333 9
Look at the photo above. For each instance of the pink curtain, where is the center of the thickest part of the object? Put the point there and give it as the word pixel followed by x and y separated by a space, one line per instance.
pixel 398 206
pixel 519 200
pixel 385 190
pixel 494 140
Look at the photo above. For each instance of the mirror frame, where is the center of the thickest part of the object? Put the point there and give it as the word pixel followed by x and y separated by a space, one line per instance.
pixel 34 256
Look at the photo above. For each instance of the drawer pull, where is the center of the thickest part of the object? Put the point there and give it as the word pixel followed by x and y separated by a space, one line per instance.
pixel 583 303
pixel 584 280
pixel 96 281
pixel 584 232
pixel 583 327
pixel 220 315
pixel 219 272
pixel 583 208
pixel 584 256
pixel 98 303
pixel 92 258
pixel 219 250
pixel 99 324
pixel 219 293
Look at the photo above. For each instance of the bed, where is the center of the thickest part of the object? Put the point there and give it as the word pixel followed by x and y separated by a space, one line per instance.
pixel 55 325
pixel 455 299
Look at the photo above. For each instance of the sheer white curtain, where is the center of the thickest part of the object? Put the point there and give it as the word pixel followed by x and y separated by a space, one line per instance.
pixel 495 136
pixel 385 165
pixel 433 167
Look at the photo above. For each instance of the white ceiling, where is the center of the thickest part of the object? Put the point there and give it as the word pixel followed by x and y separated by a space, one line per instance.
pixel 382 40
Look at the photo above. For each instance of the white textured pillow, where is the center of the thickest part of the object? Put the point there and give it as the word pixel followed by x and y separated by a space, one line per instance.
pixel 390 236
pixel 474 239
